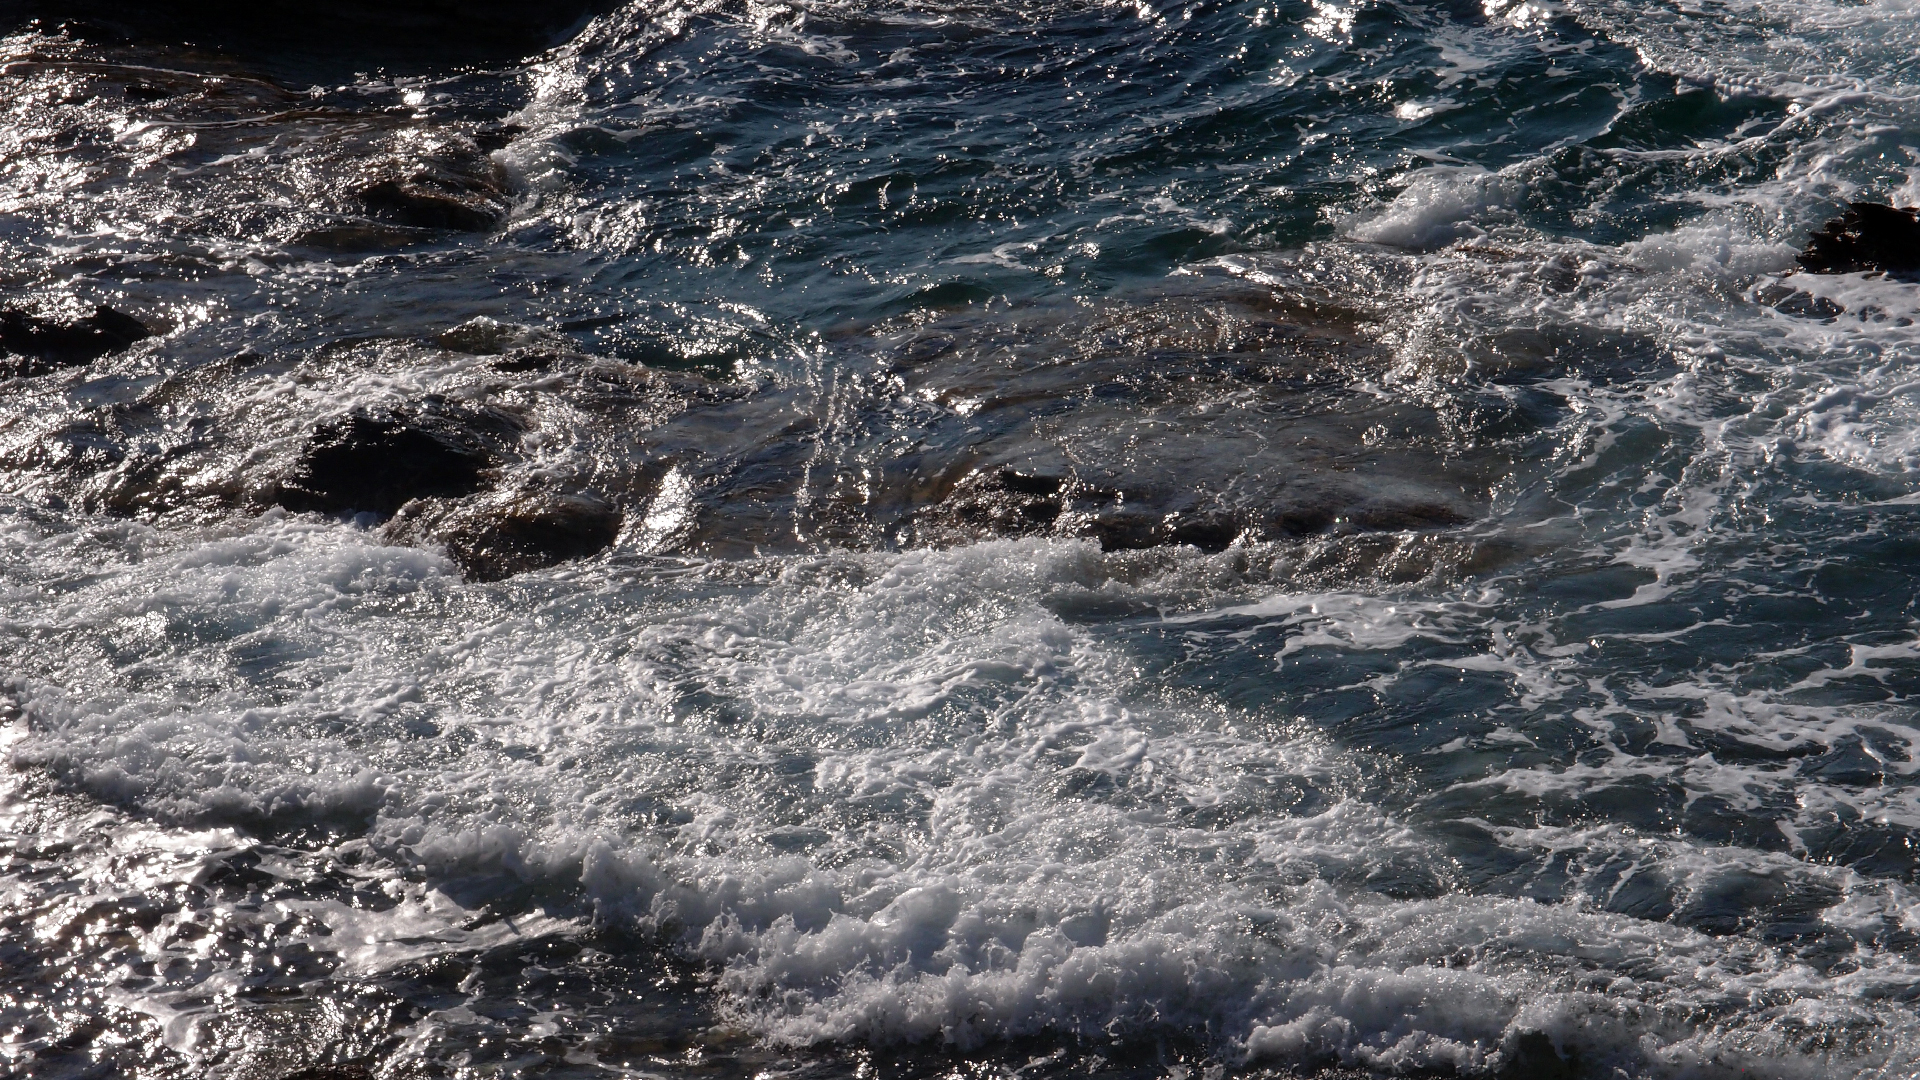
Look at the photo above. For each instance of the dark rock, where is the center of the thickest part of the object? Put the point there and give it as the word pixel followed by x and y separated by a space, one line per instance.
pixel 1208 532
pixel 1801 305
pixel 1134 528
pixel 78 444
pixel 519 349
pixel 1150 512
pixel 490 337
pixel 497 136
pixel 521 361
pixel 1211 417
pixel 446 183
pixel 1127 530
pixel 495 538
pixel 423 202
pixel 378 462
pixel 1848 762
pixel 1534 1057
pixel 39 345
pixel 1216 528
pixel 1006 502
pixel 144 485
pixel 1867 237
pixel 1026 484
pixel 1402 517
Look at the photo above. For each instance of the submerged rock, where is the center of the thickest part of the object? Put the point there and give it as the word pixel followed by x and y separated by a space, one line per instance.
pixel 500 536
pixel 35 345
pixel 1201 420
pixel 442 182
pixel 409 187
pixel 1150 511
pixel 1207 417
pixel 1867 237
pixel 377 462
pixel 1798 303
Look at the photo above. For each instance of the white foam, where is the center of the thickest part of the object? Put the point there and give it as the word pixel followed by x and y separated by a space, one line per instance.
pixel 1712 247
pixel 873 831
pixel 1438 205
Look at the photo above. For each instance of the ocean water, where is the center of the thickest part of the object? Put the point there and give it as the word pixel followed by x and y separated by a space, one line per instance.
pixel 1230 538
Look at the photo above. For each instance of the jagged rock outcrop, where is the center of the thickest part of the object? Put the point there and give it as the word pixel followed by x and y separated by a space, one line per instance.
pixel 499 535
pixel 33 345
pixel 1867 237
pixel 1145 513
pixel 440 181
pixel 378 461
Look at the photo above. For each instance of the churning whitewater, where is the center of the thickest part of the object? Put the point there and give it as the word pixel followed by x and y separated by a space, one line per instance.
pixel 905 538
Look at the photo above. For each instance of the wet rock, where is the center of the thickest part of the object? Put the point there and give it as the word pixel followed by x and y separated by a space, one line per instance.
pixel 377 462
pixel 498 537
pixel 1007 502
pixel 359 236
pixel 1131 530
pixel 1144 514
pixel 97 33
pixel 1801 305
pixel 410 187
pixel 517 349
pixel 1534 1057
pixel 491 137
pixel 146 485
pixel 484 336
pixel 1204 420
pixel 273 155
pixel 1208 418
pixel 439 182
pixel 35 345
pixel 1848 762
pixel 1867 237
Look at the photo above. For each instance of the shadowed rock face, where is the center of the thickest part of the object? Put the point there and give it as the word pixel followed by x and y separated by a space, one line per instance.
pixel 378 462
pixel 33 345
pixel 1010 503
pixel 1867 237
pixel 506 534
pixel 443 182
